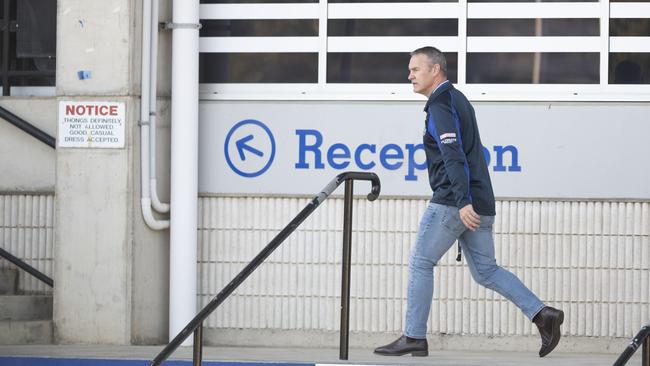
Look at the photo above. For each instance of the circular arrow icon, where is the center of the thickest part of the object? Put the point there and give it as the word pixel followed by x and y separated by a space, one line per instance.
pixel 249 148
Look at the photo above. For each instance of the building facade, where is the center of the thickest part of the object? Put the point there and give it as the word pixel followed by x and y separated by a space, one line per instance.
pixel 294 93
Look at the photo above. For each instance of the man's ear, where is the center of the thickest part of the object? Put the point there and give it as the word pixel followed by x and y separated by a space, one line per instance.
pixel 436 68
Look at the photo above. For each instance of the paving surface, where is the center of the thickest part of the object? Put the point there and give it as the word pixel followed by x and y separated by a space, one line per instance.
pixel 288 356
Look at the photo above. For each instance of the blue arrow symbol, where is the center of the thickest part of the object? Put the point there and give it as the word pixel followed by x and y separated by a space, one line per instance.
pixel 242 145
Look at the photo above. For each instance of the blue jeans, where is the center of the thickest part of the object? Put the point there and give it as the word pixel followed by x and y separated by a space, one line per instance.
pixel 439 229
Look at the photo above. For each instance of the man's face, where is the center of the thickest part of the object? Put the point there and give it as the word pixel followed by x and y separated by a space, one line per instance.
pixel 422 74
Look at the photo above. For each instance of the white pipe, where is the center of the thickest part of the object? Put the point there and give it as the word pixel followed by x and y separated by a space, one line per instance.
pixel 147 214
pixel 153 78
pixel 145 199
pixel 184 165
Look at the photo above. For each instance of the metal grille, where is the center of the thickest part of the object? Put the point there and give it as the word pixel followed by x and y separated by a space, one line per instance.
pixel 592 259
pixel 27 231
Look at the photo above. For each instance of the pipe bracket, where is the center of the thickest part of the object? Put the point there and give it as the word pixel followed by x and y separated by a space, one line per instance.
pixel 172 26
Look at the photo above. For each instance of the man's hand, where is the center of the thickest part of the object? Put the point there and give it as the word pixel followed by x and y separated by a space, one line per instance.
pixel 470 218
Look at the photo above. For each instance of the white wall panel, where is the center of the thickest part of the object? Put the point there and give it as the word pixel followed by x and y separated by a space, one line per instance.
pixel 589 258
pixel 27 232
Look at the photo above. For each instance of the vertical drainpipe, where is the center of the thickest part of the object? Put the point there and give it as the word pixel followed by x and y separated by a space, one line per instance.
pixel 153 78
pixel 184 165
pixel 145 156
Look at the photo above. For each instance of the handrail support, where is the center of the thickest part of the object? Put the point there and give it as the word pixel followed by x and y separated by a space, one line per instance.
pixel 197 354
pixel 645 353
pixel 198 320
pixel 345 274
pixel 641 339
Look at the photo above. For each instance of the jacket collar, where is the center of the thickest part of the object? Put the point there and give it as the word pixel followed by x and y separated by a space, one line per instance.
pixel 444 86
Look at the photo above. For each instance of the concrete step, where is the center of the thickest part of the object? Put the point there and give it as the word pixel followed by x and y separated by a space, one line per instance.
pixel 25 307
pixel 8 281
pixel 25 332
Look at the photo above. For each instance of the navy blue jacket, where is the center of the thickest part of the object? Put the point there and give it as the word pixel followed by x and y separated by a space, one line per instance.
pixel 458 173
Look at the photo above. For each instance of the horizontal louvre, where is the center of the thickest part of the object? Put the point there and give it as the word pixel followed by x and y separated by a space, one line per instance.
pixel 629 10
pixel 629 44
pixel 389 44
pixel 259 11
pixel 533 44
pixel 393 11
pixel 257 44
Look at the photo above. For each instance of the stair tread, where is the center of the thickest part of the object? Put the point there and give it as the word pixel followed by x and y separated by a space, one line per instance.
pixel 26 331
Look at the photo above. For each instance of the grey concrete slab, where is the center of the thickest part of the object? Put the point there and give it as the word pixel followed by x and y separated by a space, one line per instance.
pixel 318 355
pixel 25 307
pixel 17 332
pixel 8 281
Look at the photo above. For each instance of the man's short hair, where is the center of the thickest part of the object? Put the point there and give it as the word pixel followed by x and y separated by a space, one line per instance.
pixel 434 55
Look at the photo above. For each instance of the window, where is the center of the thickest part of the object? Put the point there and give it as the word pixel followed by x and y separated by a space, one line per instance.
pixel 392 27
pixel 28 46
pixel 260 28
pixel 533 68
pixel 258 67
pixel 629 68
pixel 496 49
pixel 629 57
pixel 532 27
pixel 373 68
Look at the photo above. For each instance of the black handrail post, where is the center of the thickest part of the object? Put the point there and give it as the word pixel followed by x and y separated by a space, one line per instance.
pixel 197 356
pixel 640 339
pixel 645 353
pixel 345 274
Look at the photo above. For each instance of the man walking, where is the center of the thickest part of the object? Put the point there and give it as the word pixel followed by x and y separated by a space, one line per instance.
pixel 462 208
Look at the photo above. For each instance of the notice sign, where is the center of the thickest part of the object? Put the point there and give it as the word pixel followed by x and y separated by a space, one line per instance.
pixel 91 124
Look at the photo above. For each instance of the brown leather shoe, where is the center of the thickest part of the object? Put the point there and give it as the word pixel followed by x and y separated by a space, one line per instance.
pixel 548 321
pixel 404 345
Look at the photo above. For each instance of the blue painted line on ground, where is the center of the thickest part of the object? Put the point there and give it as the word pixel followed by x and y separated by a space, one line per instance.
pixel 49 361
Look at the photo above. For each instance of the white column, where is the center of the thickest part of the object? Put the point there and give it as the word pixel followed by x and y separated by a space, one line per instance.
pixel 184 166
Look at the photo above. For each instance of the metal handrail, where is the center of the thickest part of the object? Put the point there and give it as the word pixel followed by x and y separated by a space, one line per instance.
pixel 641 338
pixel 26 267
pixel 27 127
pixel 196 324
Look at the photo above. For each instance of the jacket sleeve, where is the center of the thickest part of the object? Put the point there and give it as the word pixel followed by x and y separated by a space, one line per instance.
pixel 444 127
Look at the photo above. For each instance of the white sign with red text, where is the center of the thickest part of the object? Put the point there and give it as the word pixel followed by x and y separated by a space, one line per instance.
pixel 91 124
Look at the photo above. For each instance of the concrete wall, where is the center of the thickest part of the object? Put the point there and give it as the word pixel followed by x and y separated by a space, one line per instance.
pixel 110 269
pixel 151 248
pixel 99 37
pixel 150 309
pixel 26 164
pixel 92 298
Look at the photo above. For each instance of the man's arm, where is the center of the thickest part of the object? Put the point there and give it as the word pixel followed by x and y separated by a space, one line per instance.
pixel 445 129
